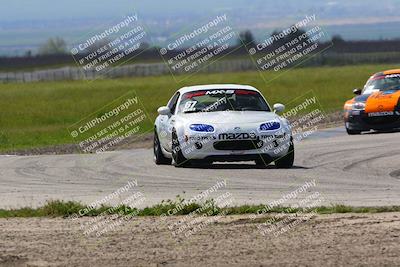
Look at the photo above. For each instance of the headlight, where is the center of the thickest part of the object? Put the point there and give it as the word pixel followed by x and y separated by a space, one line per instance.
pixel 201 128
pixel 270 126
pixel 359 106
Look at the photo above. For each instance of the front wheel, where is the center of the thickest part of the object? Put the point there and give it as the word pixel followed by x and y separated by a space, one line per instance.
pixel 286 162
pixel 177 155
pixel 159 157
pixel 352 132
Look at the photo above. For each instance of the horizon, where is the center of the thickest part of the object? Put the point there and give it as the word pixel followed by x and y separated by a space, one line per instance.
pixel 25 25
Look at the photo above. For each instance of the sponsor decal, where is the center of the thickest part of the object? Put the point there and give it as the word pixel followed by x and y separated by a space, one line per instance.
pixel 379 114
pixel 393 76
pixel 190 106
pixel 194 94
pixel 381 77
pixel 245 92
pixel 202 138
pixel 220 92
pixel 237 136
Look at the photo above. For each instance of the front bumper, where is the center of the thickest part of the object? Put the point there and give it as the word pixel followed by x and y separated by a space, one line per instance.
pixel 362 121
pixel 209 147
pixel 245 157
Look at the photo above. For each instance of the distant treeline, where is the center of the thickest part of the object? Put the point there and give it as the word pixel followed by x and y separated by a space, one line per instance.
pixel 342 46
pixel 337 46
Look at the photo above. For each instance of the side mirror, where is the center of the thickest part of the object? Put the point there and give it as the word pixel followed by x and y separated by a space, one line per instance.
pixel 279 107
pixel 164 110
pixel 357 91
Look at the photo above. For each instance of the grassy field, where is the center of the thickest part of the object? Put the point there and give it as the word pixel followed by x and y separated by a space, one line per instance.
pixel 38 114
pixel 71 208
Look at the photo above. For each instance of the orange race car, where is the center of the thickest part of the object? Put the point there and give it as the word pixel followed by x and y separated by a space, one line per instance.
pixel 377 106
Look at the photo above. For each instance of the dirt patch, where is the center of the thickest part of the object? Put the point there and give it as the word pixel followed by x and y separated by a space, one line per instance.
pixel 324 240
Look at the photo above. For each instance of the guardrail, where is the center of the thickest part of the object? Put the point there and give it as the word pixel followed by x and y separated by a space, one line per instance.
pixel 155 69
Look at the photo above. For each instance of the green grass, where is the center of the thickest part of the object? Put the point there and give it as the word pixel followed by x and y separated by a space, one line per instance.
pixel 66 209
pixel 38 114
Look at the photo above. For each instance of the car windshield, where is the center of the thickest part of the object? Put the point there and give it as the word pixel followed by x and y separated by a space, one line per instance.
pixel 222 100
pixel 383 83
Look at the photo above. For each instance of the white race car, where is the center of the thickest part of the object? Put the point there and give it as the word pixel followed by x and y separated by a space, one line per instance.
pixel 222 122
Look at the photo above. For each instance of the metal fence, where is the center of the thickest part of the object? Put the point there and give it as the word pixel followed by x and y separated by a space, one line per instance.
pixel 155 69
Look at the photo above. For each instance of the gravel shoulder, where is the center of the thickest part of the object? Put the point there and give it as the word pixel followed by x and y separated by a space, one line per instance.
pixel 328 240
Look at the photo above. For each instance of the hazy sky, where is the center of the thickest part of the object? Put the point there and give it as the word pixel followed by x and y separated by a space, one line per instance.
pixel 18 10
pixel 25 24
pixel 50 9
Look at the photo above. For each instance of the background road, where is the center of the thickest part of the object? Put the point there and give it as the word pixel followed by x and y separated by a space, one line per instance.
pixel 354 170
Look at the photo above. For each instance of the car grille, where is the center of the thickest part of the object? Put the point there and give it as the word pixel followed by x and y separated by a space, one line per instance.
pixel 381 120
pixel 238 145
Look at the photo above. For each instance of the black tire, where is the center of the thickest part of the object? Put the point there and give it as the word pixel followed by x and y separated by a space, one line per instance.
pixel 352 132
pixel 286 162
pixel 179 159
pixel 159 157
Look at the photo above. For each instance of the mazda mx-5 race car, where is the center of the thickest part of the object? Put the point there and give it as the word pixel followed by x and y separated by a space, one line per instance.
pixel 209 123
pixel 377 106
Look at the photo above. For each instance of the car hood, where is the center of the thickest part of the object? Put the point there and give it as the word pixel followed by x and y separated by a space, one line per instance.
pixel 382 101
pixel 378 101
pixel 224 117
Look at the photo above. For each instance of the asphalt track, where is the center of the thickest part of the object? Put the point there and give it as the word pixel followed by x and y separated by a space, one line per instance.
pixel 354 170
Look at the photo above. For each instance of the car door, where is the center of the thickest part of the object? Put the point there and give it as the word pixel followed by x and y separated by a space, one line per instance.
pixel 167 124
